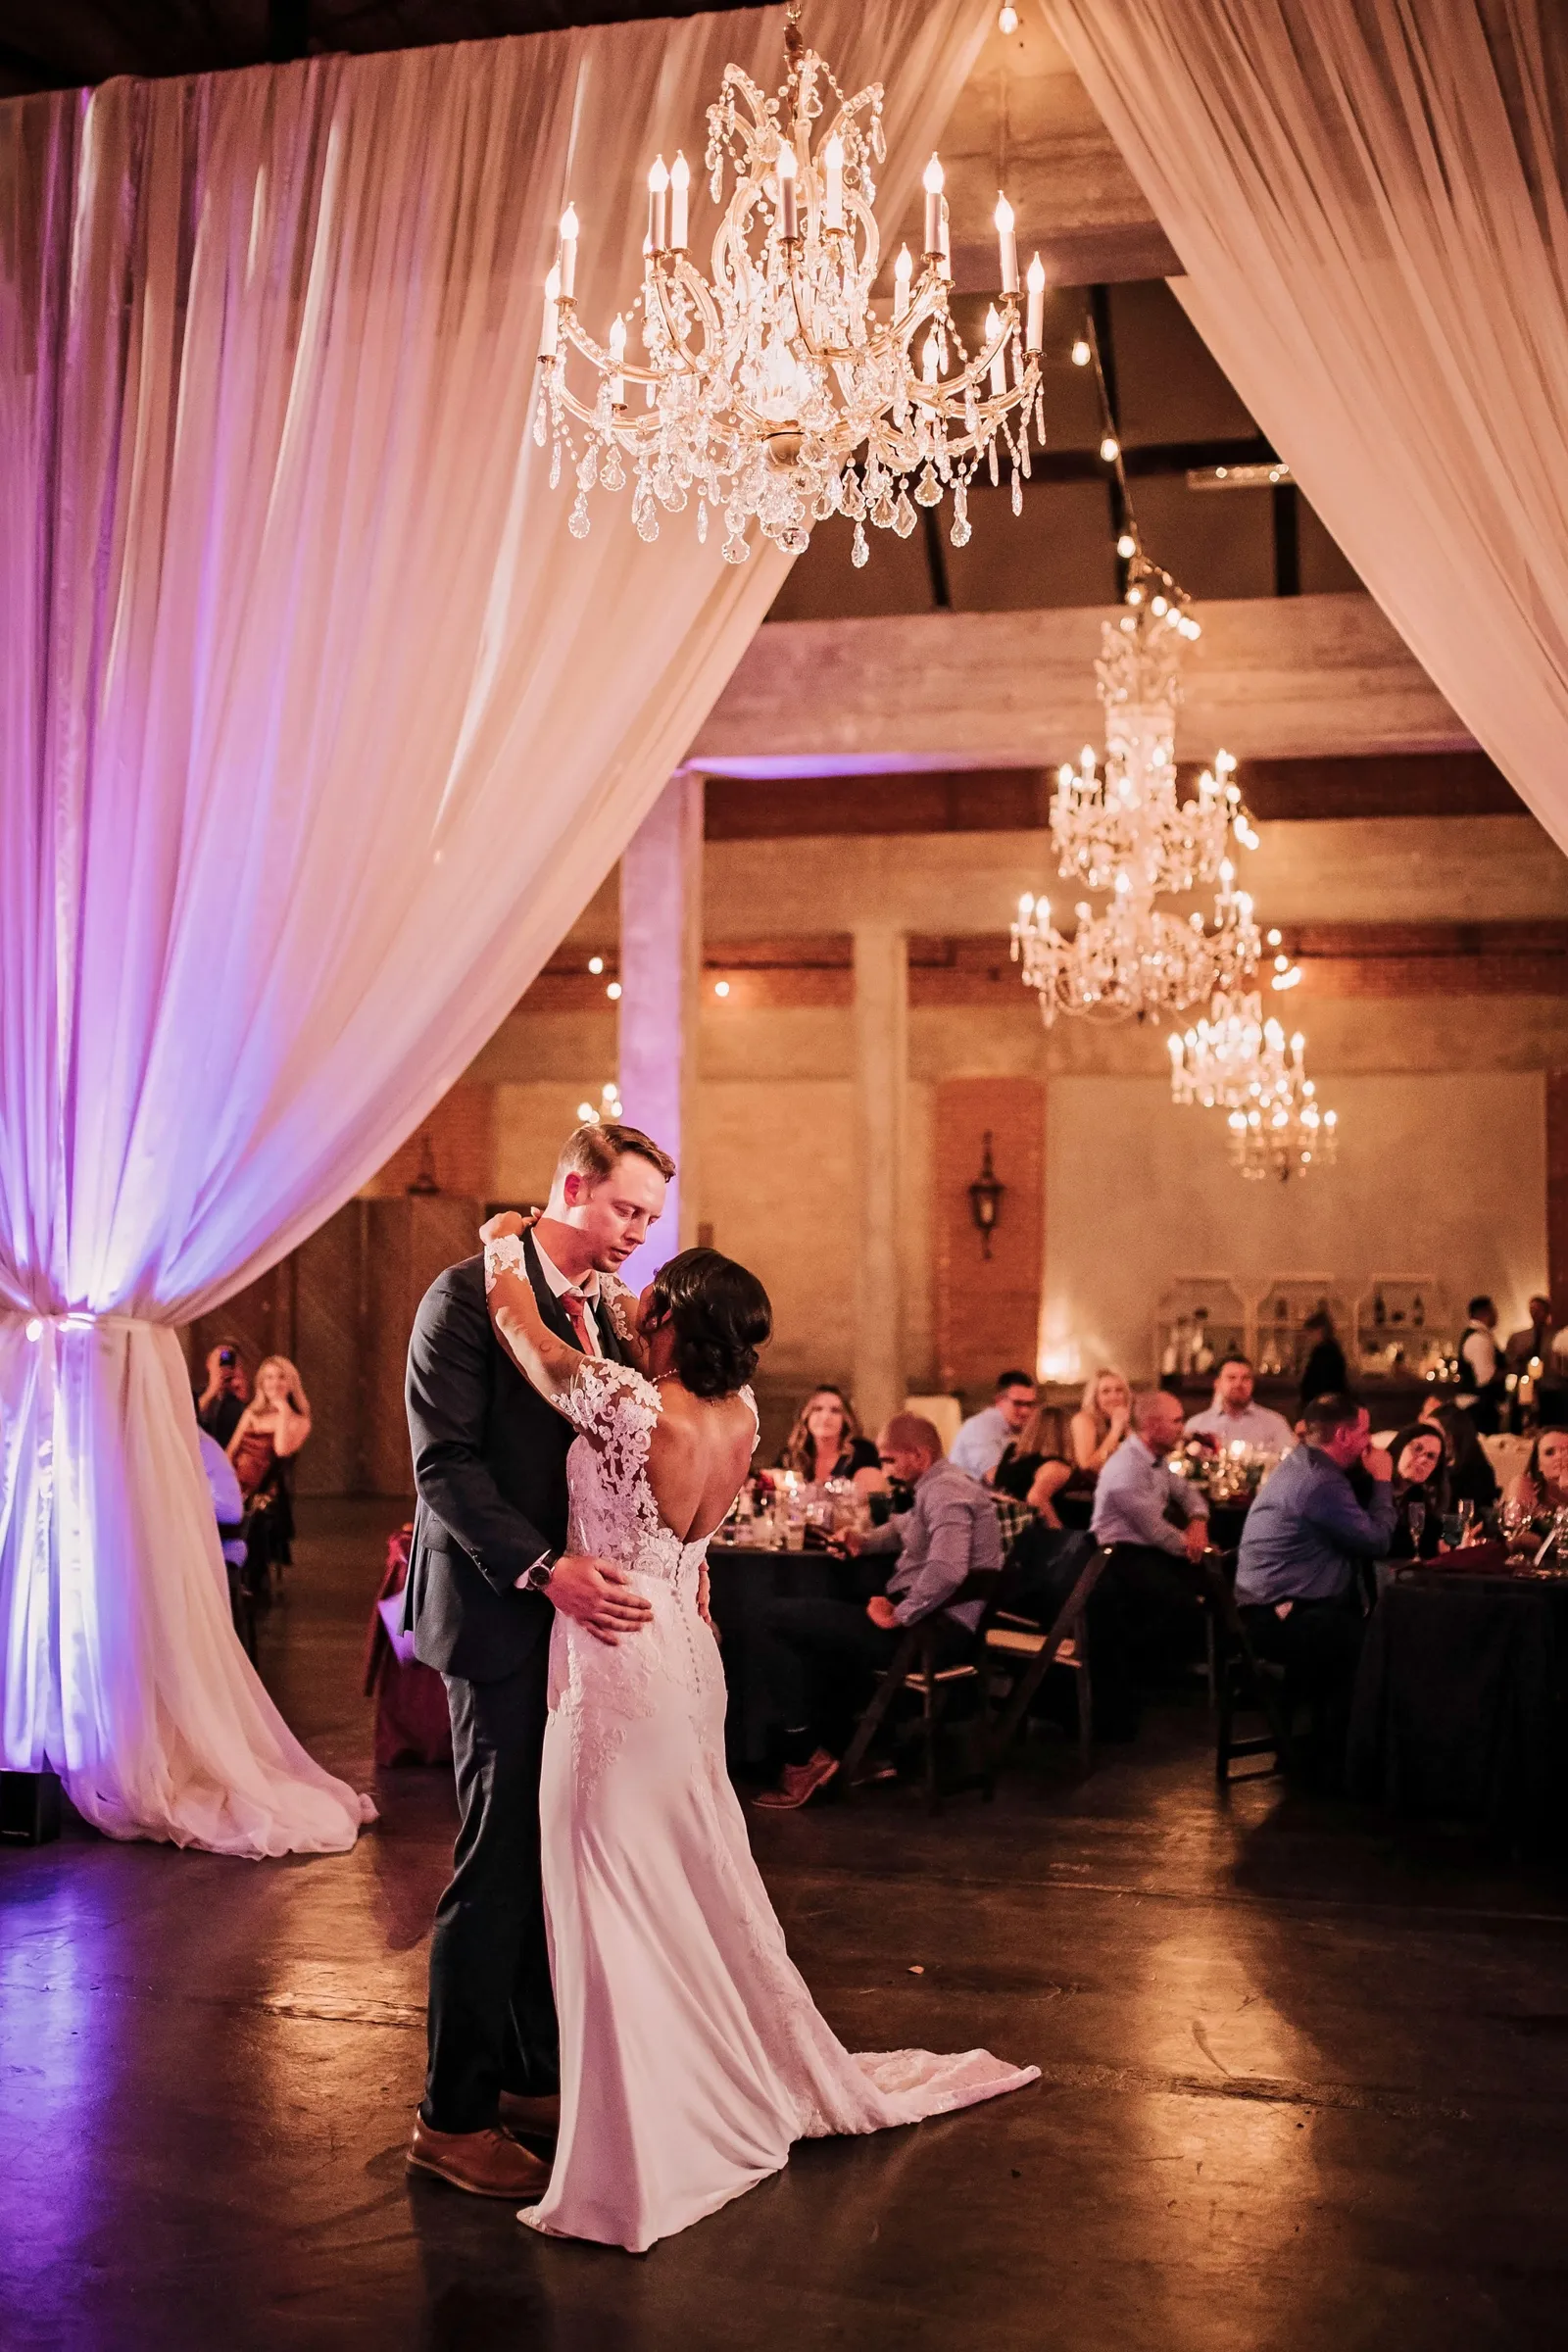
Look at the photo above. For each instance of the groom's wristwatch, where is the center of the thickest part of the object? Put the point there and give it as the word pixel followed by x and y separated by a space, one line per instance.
pixel 537 1578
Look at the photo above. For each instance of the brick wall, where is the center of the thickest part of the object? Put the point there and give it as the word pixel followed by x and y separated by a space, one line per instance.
pixel 987 1310
pixel 460 1135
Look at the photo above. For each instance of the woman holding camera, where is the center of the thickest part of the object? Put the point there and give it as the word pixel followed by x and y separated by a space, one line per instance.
pixel 272 1428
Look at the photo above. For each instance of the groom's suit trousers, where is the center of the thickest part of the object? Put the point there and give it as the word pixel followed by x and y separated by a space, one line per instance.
pixel 492 2010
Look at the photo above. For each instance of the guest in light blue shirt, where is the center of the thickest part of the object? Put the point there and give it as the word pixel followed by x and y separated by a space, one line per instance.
pixel 1144 1617
pixel 985 1436
pixel 1138 1491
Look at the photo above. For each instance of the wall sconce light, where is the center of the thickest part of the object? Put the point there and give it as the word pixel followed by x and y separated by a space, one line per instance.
pixel 985 1197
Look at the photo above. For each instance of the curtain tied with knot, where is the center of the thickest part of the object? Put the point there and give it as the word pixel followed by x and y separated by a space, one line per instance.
pixel 318 729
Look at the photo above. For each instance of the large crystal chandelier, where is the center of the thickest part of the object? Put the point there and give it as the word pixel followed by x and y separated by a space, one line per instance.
pixel 773 388
pixel 1127 832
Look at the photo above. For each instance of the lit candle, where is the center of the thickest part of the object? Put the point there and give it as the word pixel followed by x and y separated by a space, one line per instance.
pixel 933 181
pixel 567 255
pixel 618 351
pixel 680 180
pixel 833 198
pixel 550 335
pixel 1010 246
pixel 999 363
pixel 788 226
pixel 1035 282
pixel 944 247
pixel 657 205
pixel 902 272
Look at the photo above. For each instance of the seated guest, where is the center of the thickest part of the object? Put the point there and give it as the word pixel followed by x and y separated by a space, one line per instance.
pixel 1468 1475
pixel 949 1533
pixel 1033 1469
pixel 1541 1487
pixel 1297 1577
pixel 1146 1612
pixel 984 1437
pixel 226 1393
pixel 827 1442
pixel 1235 1414
pixel 228 1505
pixel 1100 1422
pixel 1324 1372
pixel 1417 1457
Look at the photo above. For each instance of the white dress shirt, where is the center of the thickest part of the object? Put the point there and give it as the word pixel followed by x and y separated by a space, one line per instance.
pixel 587 1290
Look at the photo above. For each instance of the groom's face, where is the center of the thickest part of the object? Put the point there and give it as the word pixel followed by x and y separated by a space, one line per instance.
pixel 615 1214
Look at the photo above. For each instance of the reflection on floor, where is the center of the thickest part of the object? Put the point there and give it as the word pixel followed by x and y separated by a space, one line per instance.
pixel 1304 2086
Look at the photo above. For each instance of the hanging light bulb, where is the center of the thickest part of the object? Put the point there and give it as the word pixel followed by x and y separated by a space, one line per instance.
pixel 1006 19
pixel 1081 353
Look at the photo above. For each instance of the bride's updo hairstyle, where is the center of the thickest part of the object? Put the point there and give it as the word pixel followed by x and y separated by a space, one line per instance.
pixel 721 1316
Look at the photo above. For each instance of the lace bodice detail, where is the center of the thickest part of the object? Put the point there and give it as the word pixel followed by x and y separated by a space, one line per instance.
pixel 613 1512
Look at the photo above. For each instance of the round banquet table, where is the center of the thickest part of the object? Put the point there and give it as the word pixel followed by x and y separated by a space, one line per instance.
pixel 1461 1703
pixel 742 1578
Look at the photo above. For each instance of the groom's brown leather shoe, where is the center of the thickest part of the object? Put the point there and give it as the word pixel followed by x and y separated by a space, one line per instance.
pixel 530 2118
pixel 799 1783
pixel 487 2164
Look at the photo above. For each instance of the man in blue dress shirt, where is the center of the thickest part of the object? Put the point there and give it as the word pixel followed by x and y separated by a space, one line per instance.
pixel 1297 1581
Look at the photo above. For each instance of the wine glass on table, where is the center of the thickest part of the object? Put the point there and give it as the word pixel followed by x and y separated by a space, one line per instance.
pixel 1415 1519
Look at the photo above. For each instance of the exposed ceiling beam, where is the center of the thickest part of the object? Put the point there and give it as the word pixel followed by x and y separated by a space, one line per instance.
pixel 1008 800
pixel 1310 677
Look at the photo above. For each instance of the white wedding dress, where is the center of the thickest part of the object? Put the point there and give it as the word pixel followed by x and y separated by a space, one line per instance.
pixel 692 2054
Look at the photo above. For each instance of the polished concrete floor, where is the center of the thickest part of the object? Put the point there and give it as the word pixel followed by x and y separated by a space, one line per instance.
pixel 1305 2085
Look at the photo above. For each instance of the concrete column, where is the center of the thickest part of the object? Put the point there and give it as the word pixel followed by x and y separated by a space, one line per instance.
pixel 881 1069
pixel 660 977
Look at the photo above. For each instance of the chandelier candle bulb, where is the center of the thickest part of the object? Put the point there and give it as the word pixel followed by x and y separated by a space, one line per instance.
pixel 567 259
pixel 788 222
pixel 902 273
pixel 999 360
pixel 931 360
pixel 659 205
pixel 1009 245
pixel 1035 282
pixel 680 180
pixel 833 183
pixel 933 179
pixel 550 333
pixel 618 351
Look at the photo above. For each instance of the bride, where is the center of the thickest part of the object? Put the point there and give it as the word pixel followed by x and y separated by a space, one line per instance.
pixel 692 2055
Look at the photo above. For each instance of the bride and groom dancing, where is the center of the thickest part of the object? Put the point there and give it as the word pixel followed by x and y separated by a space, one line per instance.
pixel 605 1968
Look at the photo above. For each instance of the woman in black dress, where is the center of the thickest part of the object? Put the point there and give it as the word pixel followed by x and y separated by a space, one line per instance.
pixel 827 1442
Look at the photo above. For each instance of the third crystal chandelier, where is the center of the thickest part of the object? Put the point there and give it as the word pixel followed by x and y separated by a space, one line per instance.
pixel 1128 832
pixel 772 389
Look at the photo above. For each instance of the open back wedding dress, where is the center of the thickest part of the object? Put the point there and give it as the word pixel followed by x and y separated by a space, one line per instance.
pixel 692 2054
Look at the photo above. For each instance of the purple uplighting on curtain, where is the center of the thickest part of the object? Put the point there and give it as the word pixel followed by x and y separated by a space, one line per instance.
pixel 318 729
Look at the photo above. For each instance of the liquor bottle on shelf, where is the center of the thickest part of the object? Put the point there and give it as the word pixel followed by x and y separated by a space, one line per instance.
pixel 1418 1313
pixel 1380 1314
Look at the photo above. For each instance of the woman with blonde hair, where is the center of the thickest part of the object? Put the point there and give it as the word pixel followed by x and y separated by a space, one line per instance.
pixel 270 1431
pixel 1102 1421
pixel 827 1442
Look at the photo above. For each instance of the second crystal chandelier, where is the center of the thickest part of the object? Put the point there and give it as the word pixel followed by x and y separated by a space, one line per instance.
pixel 772 389
pixel 1128 832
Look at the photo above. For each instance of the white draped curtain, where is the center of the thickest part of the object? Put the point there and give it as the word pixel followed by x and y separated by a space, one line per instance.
pixel 1368 200
pixel 318 729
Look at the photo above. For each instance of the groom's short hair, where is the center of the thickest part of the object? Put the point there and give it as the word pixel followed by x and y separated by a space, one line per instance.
pixel 593 1149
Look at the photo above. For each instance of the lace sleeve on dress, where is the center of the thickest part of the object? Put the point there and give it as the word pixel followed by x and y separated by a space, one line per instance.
pixel 611 1404
pixel 619 1305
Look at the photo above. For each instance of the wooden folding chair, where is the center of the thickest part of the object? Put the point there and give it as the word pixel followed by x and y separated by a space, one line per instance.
pixel 1012 1641
pixel 1240 1681
pixel 915 1666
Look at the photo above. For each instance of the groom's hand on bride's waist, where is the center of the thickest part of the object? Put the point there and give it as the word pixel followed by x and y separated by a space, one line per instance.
pixel 597 1595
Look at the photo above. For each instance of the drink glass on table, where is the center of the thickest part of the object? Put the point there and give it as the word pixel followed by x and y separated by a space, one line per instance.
pixel 1415 1518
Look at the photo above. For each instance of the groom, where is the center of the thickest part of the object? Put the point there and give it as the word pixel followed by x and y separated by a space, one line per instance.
pixel 488 1565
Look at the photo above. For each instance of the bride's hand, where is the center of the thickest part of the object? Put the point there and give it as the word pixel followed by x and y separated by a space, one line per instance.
pixel 501 1228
